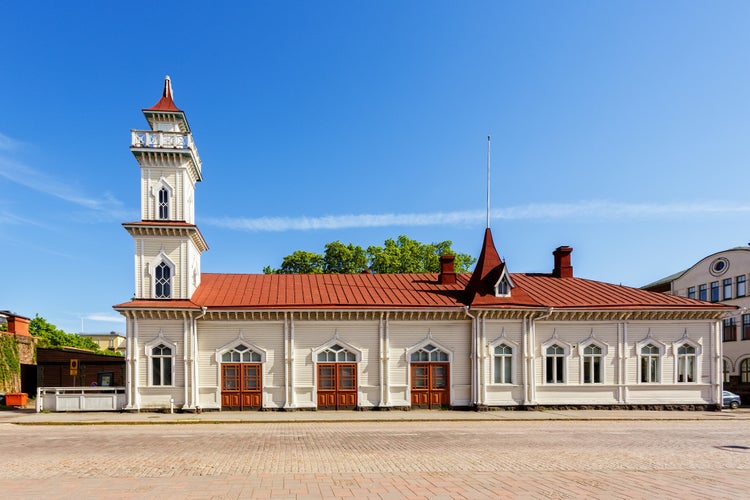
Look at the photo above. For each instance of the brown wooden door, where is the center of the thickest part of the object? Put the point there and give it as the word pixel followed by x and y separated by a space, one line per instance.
pixel 337 386
pixel 241 386
pixel 430 387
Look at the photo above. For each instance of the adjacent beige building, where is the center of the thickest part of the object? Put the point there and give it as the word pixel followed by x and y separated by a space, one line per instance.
pixel 721 278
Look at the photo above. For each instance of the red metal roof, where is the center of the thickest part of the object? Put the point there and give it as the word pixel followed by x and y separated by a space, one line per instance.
pixel 410 291
pixel 166 103
pixel 327 291
pixel 419 291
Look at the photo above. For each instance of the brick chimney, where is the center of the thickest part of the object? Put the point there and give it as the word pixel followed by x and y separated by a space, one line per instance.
pixel 447 270
pixel 563 269
pixel 18 325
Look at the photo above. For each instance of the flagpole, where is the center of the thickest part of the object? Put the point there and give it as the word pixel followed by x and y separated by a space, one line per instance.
pixel 488 182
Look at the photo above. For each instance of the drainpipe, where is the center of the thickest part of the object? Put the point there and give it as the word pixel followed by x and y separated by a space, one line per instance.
pixel 474 374
pixel 196 401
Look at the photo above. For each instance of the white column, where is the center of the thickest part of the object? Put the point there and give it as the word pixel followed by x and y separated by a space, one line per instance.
pixel 185 360
pixel 387 334
pixel 291 361
pixel 136 357
pixel 625 350
pixel 287 366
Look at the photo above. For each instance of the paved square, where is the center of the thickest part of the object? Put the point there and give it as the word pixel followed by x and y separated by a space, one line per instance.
pixel 389 459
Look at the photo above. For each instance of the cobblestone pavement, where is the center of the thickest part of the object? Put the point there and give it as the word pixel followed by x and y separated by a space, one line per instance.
pixel 388 459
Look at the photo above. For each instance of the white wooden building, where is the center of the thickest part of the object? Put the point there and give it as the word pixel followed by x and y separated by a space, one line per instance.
pixel 205 341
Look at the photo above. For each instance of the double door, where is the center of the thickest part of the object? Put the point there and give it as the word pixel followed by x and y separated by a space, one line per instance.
pixel 337 386
pixel 430 386
pixel 241 386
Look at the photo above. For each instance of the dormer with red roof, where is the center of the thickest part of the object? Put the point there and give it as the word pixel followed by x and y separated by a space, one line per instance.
pixel 490 276
pixel 168 244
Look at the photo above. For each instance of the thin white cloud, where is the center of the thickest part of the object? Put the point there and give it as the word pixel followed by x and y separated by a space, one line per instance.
pixel 8 218
pixel 105 317
pixel 598 209
pixel 8 143
pixel 25 175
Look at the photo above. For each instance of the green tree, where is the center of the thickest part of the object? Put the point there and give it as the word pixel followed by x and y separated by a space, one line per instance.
pixel 344 259
pixel 51 336
pixel 402 255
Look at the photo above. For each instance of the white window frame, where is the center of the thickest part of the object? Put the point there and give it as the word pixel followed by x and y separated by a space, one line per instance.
pixel 504 284
pixel 503 340
pixel 593 341
pixel 686 341
pixel 149 347
pixel 162 257
pixel 566 355
pixel 424 343
pixel 336 340
pixel 661 348
pixel 163 184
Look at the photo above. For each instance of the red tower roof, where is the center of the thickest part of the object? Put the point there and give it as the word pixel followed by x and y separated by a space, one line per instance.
pixel 166 103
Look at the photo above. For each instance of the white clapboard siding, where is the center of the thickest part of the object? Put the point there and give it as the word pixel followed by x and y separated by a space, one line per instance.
pixel 362 336
pixel 267 336
pixel 511 334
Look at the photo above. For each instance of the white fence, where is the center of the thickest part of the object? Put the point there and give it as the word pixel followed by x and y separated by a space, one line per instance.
pixel 80 399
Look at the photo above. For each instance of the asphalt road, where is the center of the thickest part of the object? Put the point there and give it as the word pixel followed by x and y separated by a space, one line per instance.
pixel 390 459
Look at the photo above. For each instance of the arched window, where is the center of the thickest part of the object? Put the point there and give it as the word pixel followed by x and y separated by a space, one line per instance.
pixel 650 355
pixel 163 203
pixel 555 364
pixel 336 354
pixel 686 363
pixel 161 365
pixel 503 364
pixel 745 371
pixel 241 354
pixel 592 364
pixel 163 281
pixel 429 353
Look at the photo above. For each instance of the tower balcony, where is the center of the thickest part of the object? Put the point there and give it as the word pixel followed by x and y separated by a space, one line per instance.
pixel 145 141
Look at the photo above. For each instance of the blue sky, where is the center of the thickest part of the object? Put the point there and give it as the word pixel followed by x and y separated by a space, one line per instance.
pixel 619 128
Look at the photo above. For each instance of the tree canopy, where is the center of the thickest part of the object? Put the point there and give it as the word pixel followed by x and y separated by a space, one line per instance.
pixel 51 336
pixel 402 255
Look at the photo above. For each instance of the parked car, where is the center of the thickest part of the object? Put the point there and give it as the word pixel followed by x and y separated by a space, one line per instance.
pixel 731 400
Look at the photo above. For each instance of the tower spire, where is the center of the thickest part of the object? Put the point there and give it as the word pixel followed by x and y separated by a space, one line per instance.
pixel 167 88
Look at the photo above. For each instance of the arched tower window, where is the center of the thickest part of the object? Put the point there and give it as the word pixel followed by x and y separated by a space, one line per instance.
pixel 163 281
pixel 163 204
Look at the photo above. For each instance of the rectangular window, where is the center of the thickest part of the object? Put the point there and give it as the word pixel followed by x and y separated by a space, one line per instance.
pixel 714 291
pixel 691 292
pixel 727 288
pixel 555 368
pixel 741 290
pixel 702 292
pixel 746 327
pixel 730 330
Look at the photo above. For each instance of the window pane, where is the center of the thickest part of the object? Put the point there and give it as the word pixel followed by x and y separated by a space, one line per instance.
pixel 702 295
pixel 167 375
pixel 714 291
pixel 597 370
pixel 499 370
pixel 727 283
pixel 740 286
pixel 508 370
pixel 156 371
pixel 226 357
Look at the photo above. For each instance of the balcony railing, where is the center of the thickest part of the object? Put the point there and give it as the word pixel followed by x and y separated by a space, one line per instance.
pixel 165 140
